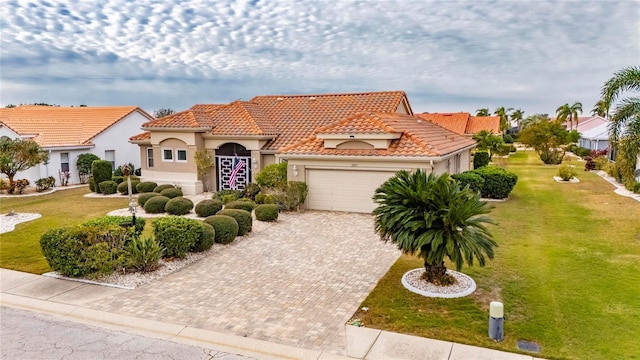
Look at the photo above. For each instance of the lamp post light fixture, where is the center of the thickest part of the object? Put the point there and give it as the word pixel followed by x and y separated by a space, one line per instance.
pixel 295 170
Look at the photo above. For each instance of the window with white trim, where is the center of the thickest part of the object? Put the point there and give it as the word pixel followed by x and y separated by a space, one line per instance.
pixel 64 162
pixel 110 156
pixel 149 157
pixel 167 155
pixel 181 155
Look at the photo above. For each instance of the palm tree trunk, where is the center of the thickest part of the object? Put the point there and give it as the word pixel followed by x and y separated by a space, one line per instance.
pixel 436 273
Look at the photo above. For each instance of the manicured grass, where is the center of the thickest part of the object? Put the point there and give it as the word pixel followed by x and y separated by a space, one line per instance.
pixel 20 248
pixel 567 271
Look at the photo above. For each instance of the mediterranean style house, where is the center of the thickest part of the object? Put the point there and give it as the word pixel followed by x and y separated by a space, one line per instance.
pixel 66 132
pixel 342 145
pixel 464 123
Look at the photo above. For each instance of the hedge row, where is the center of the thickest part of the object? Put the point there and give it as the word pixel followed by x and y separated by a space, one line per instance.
pixel 492 182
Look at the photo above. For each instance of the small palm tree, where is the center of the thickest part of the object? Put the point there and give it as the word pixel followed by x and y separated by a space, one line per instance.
pixel 600 109
pixel 504 117
pixel 432 216
pixel 482 112
pixel 569 113
pixel 517 116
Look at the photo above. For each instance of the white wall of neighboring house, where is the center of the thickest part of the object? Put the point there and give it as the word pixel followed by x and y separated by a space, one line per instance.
pixel 115 138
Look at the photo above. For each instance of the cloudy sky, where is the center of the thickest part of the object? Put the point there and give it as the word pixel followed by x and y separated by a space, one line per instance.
pixel 447 56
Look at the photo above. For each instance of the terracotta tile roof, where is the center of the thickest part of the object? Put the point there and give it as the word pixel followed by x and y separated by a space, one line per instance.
pixel 141 137
pixel 456 122
pixel 479 123
pixel 463 123
pixel 54 126
pixel 297 116
pixel 241 118
pixel 289 118
pixel 360 123
pixel 419 138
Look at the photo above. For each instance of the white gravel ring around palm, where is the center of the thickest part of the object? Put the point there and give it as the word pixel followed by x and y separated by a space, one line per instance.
pixel 9 221
pixel 412 281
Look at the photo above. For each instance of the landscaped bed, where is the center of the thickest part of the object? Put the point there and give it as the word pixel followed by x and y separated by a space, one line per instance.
pixel 567 271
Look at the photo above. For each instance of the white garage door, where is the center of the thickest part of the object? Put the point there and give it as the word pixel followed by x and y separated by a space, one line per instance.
pixel 344 190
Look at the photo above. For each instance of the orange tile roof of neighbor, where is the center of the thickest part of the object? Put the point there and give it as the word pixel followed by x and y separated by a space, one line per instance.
pixel 54 126
pixel 287 118
pixel 463 123
pixel 419 138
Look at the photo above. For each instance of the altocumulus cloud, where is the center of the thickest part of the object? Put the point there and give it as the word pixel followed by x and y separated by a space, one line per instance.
pixel 448 56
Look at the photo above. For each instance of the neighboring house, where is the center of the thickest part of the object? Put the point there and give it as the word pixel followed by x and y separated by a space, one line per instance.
pixel 66 132
pixel 342 145
pixel 595 138
pixel 464 123
pixel 585 123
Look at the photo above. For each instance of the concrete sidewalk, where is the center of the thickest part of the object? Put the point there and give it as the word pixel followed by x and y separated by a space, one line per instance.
pixel 67 299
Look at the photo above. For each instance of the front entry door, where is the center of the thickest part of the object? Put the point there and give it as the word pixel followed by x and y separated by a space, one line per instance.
pixel 225 172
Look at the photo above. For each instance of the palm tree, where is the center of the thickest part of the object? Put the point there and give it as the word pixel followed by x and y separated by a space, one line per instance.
pixel 570 113
pixel 482 112
pixel 625 120
pixel 533 119
pixel 504 117
pixel 431 216
pixel 626 115
pixel 600 109
pixel 517 116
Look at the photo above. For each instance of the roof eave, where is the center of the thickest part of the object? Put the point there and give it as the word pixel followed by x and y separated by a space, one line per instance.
pixel 177 129
pixel 241 137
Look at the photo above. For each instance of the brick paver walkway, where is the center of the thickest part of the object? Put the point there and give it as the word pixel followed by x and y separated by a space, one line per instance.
pixel 296 283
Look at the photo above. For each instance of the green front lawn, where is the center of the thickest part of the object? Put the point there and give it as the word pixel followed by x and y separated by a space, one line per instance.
pixel 20 248
pixel 567 271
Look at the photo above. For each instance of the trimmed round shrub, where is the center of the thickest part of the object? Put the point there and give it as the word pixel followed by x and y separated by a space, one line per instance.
pixel 108 187
pixel 498 182
pixel 146 186
pixel 171 193
pixel 123 187
pixel 156 204
pixel 508 139
pixel 206 238
pixel 247 205
pixel 567 172
pixel 117 179
pixel 178 206
pixel 208 207
pixel 92 184
pixel 242 217
pixel 266 212
pixel 471 179
pixel 101 171
pixel 265 199
pixel 176 234
pixel 481 159
pixel 159 188
pixel 225 227
pixel 144 197
pixel 228 198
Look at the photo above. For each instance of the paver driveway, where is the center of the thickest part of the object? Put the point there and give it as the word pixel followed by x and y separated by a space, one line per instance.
pixel 295 282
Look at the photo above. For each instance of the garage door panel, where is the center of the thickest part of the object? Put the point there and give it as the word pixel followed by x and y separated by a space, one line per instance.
pixel 344 190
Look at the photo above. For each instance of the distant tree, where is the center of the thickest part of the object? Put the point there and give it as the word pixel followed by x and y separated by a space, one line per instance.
pixel 600 109
pixel 19 155
pixel 83 164
pixel 504 117
pixel 163 112
pixel 431 216
pixel 483 112
pixel 517 116
pixel 488 141
pixel 534 119
pixel 82 105
pixel 547 138
pixel 569 113
pixel 204 162
pixel 10 106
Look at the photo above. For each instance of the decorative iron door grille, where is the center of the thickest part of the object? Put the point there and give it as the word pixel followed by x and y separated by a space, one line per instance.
pixel 225 167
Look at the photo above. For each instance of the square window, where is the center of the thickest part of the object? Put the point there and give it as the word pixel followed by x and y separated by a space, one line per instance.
pixel 167 154
pixel 181 155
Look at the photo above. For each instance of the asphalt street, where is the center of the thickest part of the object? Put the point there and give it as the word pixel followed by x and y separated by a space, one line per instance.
pixel 29 335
